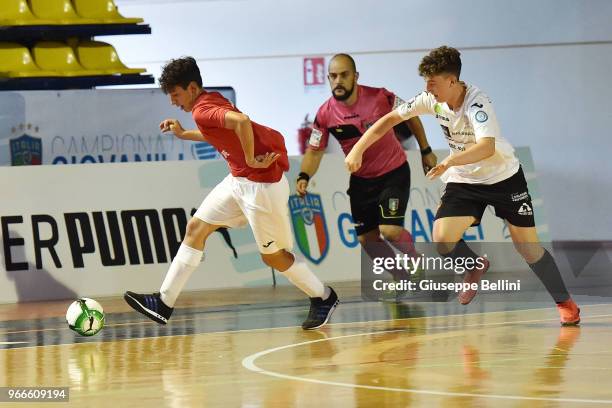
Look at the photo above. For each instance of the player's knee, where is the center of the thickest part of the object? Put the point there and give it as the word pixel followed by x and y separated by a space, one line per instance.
pixel 391 232
pixel 362 239
pixel 198 229
pixel 531 252
pixel 370 236
pixel 281 260
pixel 445 247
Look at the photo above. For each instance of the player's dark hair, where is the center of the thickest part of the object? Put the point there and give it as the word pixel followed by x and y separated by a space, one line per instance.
pixel 442 60
pixel 348 57
pixel 179 72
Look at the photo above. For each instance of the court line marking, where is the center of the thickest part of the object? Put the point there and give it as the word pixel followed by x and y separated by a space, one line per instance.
pixel 249 363
pixel 14 342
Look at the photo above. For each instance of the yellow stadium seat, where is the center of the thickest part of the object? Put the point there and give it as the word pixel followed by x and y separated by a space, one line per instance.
pixel 103 10
pixel 101 56
pixel 57 56
pixel 16 62
pixel 18 13
pixel 60 11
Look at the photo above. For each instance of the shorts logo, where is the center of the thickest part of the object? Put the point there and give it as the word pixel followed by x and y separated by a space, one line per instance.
pixel 315 138
pixel 481 116
pixel 393 205
pixel 520 196
pixel 525 209
pixel 309 226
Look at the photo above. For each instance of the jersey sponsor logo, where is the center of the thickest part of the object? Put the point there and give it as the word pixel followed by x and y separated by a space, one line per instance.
pixel 353 116
pixel 442 118
pixel 225 154
pixel 267 245
pixel 481 116
pixel 309 226
pixel 525 209
pixel 315 138
pixel 456 146
pixel 478 105
pixel 26 150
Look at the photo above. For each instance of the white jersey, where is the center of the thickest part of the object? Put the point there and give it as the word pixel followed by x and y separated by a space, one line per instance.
pixel 474 120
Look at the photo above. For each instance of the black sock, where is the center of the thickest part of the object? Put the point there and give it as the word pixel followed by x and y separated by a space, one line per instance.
pixel 461 250
pixel 547 271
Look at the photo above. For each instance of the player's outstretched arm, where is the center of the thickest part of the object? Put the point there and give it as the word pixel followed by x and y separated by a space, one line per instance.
pixel 174 126
pixel 371 136
pixel 483 149
pixel 310 164
pixel 428 158
pixel 241 125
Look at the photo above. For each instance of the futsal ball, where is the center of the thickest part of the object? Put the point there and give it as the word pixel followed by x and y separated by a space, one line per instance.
pixel 85 316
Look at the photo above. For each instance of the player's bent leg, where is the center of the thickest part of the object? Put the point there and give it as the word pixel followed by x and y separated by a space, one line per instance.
pixel 370 236
pixel 448 231
pixel 160 305
pixel 323 300
pixel 400 238
pixel 447 234
pixel 542 263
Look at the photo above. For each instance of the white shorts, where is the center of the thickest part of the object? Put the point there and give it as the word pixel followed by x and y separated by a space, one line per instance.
pixel 237 201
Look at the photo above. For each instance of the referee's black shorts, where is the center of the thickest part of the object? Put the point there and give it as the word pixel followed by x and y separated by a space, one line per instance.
pixel 509 197
pixel 380 200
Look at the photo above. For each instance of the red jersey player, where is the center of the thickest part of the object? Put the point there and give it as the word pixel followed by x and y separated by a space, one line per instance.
pixel 256 192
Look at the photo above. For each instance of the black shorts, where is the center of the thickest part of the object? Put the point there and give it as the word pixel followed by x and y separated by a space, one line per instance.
pixel 509 197
pixel 380 200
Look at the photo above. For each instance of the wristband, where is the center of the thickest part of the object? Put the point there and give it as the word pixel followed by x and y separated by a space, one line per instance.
pixel 303 176
pixel 426 151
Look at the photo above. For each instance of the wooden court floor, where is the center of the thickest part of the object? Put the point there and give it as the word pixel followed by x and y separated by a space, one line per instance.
pixel 243 348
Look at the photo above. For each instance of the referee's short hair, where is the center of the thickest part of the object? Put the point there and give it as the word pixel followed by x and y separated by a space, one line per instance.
pixel 442 60
pixel 179 72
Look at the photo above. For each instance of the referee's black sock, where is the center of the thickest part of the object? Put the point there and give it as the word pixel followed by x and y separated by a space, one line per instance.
pixel 547 271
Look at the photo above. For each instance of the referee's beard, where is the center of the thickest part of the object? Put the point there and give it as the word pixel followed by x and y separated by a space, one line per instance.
pixel 343 97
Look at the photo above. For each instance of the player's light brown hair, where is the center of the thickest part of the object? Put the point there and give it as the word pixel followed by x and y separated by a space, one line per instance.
pixel 179 72
pixel 442 60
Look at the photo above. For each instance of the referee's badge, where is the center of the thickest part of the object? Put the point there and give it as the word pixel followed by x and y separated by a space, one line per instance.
pixel 315 138
pixel 393 205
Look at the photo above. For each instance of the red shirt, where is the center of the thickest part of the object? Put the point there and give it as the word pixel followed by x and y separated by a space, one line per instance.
pixel 349 123
pixel 209 115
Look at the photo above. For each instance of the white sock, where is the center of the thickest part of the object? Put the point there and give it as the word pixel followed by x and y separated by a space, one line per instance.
pixel 184 263
pixel 302 277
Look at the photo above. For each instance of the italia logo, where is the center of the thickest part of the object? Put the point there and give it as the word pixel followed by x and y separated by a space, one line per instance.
pixel 309 226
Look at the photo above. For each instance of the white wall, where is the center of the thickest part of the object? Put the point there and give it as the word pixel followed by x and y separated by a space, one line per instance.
pixel 544 63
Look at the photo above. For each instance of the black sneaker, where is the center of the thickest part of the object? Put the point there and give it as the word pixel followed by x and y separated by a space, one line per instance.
pixel 320 311
pixel 149 305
